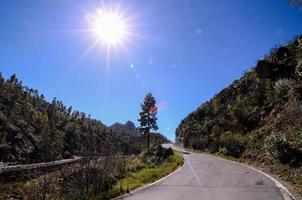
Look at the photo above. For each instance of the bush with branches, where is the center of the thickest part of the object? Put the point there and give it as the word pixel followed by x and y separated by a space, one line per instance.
pixel 233 144
pixel 278 147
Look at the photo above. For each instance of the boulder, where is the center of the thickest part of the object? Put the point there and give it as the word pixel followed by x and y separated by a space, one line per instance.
pixel 263 69
pixel 282 53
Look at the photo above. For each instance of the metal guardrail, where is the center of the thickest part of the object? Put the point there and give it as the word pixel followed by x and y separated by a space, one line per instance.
pixel 24 172
pixel 36 165
pixel 29 171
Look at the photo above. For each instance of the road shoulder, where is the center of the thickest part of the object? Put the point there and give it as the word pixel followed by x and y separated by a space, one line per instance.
pixel 286 193
pixel 180 167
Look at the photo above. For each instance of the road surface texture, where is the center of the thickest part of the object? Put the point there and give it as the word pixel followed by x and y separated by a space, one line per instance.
pixel 205 177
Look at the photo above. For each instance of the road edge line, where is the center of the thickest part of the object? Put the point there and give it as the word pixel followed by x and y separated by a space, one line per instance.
pixel 284 191
pixel 287 195
pixel 150 184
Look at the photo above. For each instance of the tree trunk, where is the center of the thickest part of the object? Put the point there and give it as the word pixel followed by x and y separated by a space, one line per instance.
pixel 148 138
pixel 148 131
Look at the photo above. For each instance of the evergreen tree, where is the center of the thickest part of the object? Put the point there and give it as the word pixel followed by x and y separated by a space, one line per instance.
pixel 148 116
pixel 35 130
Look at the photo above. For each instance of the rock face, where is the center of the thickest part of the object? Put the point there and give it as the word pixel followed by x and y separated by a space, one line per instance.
pixel 126 129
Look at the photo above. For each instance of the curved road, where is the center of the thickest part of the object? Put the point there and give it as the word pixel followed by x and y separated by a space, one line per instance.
pixel 205 177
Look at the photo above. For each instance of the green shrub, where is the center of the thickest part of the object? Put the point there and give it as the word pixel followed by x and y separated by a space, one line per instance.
pixel 2 137
pixel 66 155
pixel 299 70
pixel 234 144
pixel 283 86
pixel 156 155
pixel 299 139
pixel 200 142
pixel 278 148
pixel 214 146
pixel 256 137
pixel 269 92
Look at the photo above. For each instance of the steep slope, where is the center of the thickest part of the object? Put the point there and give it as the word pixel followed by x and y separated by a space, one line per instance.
pixel 34 130
pixel 258 117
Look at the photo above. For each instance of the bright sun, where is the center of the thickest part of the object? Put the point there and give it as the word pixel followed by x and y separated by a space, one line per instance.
pixel 109 27
pixel 112 28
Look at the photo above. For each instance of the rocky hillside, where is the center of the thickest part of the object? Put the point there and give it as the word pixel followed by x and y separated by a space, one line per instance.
pixel 126 129
pixel 35 130
pixel 256 118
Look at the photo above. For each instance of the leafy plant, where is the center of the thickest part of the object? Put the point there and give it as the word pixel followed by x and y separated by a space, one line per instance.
pixel 278 147
pixel 299 70
pixel 234 144
pixel 283 86
pixel 269 92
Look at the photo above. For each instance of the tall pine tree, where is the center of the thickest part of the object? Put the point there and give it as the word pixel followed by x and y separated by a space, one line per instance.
pixel 148 116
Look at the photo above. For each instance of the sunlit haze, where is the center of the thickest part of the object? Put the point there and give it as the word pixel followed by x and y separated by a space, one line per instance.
pixel 102 57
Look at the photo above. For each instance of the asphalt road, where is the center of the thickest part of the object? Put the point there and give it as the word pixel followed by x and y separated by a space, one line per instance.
pixel 205 177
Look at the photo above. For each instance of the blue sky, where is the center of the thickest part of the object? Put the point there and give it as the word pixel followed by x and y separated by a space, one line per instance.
pixel 182 51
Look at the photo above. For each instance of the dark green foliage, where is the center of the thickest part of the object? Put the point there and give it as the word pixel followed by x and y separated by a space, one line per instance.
pixel 283 87
pixel 35 130
pixel 213 146
pixel 147 120
pixel 93 180
pixel 200 142
pixel 255 139
pixel 278 148
pixel 269 93
pixel 139 142
pixel 299 70
pixel 233 144
pixel 88 179
pixel 156 155
pixel 265 101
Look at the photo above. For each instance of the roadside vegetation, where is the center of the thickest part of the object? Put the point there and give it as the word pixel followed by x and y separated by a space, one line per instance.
pixel 102 178
pixel 142 171
pixel 257 119
pixel 33 129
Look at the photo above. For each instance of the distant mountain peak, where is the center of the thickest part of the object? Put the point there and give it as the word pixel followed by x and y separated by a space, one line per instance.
pixel 130 124
pixel 128 128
